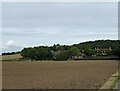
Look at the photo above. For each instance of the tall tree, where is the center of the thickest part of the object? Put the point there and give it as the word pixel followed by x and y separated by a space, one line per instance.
pixel 73 51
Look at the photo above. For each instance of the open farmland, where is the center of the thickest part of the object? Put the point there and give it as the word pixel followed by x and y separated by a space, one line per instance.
pixel 87 74
pixel 10 57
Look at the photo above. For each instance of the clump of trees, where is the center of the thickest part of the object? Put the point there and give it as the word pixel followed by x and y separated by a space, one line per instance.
pixel 56 52
pixel 37 53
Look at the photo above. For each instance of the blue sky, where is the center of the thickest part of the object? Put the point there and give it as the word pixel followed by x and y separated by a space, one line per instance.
pixel 33 24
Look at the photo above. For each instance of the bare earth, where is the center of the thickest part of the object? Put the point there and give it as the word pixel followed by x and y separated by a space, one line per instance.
pixel 86 74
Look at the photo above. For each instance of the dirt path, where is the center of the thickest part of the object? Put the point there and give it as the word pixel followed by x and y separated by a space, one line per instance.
pixel 63 75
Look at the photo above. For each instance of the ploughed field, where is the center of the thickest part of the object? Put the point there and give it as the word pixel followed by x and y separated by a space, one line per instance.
pixel 86 74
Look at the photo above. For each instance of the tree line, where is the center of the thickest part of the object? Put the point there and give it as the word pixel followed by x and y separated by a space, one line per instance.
pixel 65 52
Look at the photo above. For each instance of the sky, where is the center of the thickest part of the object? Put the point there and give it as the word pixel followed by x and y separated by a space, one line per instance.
pixel 28 24
pixel 59 0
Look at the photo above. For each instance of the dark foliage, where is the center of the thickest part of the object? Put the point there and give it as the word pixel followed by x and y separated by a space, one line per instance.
pixel 10 53
pixel 65 52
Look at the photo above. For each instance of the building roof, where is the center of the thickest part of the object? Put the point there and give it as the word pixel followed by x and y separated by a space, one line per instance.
pixel 103 49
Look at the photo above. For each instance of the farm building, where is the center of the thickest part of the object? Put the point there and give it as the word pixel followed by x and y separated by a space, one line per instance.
pixel 102 51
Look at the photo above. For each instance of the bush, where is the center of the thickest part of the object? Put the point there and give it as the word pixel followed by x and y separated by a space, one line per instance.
pixel 62 56
pixel 116 51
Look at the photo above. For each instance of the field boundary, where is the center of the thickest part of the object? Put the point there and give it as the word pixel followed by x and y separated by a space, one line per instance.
pixel 111 82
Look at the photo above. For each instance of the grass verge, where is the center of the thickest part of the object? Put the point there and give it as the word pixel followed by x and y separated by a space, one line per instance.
pixel 115 80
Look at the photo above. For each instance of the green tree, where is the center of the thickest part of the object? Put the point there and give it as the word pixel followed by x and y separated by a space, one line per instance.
pixel 73 51
pixel 89 52
pixel 43 54
pixel 62 55
pixel 26 52
pixel 116 51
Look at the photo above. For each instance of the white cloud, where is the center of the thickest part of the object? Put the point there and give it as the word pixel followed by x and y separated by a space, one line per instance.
pixel 11 46
pixel 10 43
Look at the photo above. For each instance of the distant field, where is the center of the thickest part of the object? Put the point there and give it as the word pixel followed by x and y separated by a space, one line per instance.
pixel 10 57
pixel 87 74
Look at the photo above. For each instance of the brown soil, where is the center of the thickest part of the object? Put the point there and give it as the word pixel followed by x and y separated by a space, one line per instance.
pixel 85 74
